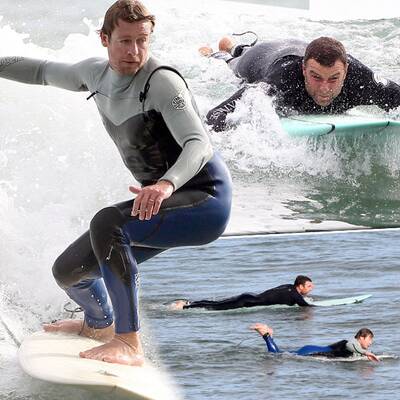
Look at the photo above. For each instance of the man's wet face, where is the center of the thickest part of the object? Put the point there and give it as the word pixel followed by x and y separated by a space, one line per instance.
pixel 322 83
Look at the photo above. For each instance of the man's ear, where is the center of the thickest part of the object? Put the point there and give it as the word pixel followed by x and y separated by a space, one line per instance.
pixel 104 39
pixel 303 67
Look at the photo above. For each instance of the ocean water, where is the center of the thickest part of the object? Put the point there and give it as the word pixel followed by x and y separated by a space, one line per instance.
pixel 55 163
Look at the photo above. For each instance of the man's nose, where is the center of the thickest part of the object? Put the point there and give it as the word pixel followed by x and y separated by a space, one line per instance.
pixel 133 49
pixel 324 87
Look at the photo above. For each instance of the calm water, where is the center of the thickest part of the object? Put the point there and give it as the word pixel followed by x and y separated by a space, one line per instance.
pixel 214 355
pixel 55 163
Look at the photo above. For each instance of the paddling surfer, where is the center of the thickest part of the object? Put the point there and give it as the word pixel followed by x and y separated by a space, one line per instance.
pixel 318 78
pixel 290 295
pixel 358 345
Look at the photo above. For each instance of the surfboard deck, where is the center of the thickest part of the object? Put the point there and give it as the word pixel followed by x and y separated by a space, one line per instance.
pixel 54 357
pixel 338 302
pixel 340 125
pixel 381 357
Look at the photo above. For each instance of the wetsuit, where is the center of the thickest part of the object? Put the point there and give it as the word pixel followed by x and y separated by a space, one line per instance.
pixel 343 348
pixel 283 79
pixel 284 294
pixel 153 120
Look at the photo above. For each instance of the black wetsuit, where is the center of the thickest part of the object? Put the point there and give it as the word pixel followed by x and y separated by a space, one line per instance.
pixel 283 78
pixel 284 294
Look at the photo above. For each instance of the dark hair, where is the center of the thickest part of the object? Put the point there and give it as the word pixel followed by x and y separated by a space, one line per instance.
pixel 128 11
pixel 364 332
pixel 326 51
pixel 301 280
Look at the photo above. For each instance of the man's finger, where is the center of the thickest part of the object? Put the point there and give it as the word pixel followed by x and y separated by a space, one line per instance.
pixel 157 205
pixel 136 204
pixel 135 189
pixel 143 206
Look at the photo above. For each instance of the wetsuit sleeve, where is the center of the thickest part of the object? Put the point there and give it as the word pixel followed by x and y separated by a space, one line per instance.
pixel 170 96
pixel 271 345
pixel 299 299
pixel 367 87
pixel 217 116
pixel 354 346
pixel 40 72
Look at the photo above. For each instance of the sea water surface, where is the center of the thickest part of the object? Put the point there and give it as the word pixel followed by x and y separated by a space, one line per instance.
pixel 58 167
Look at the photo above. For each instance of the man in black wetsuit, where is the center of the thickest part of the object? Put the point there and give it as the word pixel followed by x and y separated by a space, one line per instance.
pixel 314 79
pixel 289 295
pixel 184 192
pixel 344 348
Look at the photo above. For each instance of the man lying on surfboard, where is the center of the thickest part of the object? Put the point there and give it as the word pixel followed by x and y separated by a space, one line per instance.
pixel 290 295
pixel 344 348
pixel 306 79
pixel 184 192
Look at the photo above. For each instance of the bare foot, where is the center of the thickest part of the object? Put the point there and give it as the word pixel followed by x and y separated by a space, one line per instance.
pixel 262 329
pixel 64 325
pixel 205 51
pixel 178 305
pixel 78 327
pixel 123 349
pixel 226 44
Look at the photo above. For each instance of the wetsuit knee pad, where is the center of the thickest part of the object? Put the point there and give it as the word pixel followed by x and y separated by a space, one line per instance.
pixel 104 227
pixel 62 273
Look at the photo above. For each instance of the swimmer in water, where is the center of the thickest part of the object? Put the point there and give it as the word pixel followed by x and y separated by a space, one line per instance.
pixel 358 345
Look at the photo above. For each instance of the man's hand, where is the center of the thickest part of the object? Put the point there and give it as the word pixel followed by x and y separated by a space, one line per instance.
pixel 372 357
pixel 262 329
pixel 149 198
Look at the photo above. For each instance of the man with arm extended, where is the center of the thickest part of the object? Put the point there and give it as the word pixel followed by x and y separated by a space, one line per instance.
pixel 289 295
pixel 185 193
pixel 345 348
pixel 325 80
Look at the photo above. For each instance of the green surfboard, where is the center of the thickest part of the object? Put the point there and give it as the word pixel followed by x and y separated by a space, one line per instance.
pixel 340 125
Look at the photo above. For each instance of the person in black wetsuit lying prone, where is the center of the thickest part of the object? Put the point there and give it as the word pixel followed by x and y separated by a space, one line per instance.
pixel 284 294
pixel 315 78
pixel 344 348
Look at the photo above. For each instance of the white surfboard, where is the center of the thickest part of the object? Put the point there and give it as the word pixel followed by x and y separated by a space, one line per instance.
pixel 381 357
pixel 54 357
pixel 338 302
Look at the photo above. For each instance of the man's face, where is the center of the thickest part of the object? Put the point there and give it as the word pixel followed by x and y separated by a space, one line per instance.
pixel 323 84
pixel 365 341
pixel 128 46
pixel 306 288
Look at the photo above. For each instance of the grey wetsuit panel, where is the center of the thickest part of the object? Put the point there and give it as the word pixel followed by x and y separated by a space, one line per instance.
pixel 167 122
pixel 253 64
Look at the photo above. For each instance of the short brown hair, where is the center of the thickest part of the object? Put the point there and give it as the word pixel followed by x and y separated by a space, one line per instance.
pixel 128 11
pixel 301 280
pixel 364 332
pixel 326 51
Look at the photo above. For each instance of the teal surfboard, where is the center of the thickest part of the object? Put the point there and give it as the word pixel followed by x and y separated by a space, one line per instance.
pixel 340 125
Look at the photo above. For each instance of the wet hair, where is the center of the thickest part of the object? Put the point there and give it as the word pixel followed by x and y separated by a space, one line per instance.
pixel 128 11
pixel 301 280
pixel 364 332
pixel 326 51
